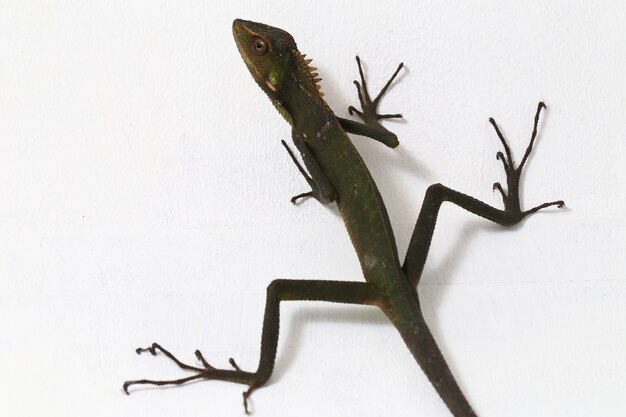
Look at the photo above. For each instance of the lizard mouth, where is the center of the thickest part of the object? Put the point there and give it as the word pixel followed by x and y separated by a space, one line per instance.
pixel 242 34
pixel 239 33
pixel 238 28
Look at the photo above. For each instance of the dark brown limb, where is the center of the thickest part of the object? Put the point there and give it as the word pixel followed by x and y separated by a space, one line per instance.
pixel 321 189
pixel 436 194
pixel 381 135
pixel 369 108
pixel 279 290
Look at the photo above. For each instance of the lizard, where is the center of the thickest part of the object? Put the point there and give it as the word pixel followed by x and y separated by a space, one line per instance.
pixel 335 172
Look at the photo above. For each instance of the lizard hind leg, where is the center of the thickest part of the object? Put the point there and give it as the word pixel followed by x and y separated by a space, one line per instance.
pixel 437 194
pixel 279 290
pixel 369 108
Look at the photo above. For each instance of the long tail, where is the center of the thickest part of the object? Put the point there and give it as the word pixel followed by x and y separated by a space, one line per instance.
pixel 421 343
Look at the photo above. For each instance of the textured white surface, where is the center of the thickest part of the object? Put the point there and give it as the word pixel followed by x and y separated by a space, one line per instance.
pixel 145 197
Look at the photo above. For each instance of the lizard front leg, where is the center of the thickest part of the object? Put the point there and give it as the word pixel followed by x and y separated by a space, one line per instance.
pixel 437 194
pixel 321 189
pixel 279 290
pixel 380 134
pixel 369 112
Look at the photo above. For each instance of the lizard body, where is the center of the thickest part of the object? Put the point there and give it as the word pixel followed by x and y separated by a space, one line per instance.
pixel 337 173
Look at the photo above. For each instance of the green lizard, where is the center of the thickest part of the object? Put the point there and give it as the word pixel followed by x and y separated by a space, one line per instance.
pixel 336 173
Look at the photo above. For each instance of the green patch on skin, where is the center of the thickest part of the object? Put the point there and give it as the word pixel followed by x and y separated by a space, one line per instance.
pixel 273 77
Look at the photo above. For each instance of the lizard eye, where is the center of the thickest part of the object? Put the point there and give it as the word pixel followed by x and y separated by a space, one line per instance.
pixel 259 46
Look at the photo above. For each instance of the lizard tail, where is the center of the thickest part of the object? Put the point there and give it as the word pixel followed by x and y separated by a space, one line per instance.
pixel 422 344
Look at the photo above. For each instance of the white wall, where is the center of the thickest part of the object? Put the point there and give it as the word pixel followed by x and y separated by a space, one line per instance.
pixel 145 197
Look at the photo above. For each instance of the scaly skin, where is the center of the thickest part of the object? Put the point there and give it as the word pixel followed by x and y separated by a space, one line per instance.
pixel 337 173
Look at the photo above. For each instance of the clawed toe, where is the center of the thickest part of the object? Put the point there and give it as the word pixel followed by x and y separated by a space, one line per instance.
pixel 559 204
pixel 246 396
pixel 156 347
pixel 234 364
pixel 352 110
pixel 150 349
pixel 202 360
pixel 498 186
pixel 389 116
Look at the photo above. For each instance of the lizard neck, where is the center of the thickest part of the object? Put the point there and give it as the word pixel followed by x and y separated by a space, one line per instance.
pixel 301 99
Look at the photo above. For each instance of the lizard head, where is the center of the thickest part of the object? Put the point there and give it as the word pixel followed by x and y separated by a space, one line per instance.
pixel 267 52
pixel 274 61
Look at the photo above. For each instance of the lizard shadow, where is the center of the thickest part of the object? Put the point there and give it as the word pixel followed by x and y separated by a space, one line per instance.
pixel 433 284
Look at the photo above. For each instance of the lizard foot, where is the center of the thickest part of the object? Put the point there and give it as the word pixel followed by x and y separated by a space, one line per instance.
pixel 369 108
pixel 511 196
pixel 324 194
pixel 206 372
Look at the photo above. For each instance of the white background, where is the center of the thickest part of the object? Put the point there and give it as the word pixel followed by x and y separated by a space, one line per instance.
pixel 145 197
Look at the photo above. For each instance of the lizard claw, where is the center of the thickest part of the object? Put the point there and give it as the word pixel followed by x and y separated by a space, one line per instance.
pixel 497 186
pixel 233 364
pixel 352 109
pixel 201 359
pixel 295 198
